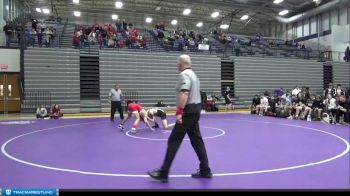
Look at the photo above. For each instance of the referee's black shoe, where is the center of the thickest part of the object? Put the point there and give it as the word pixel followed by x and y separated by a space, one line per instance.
pixel 158 175
pixel 201 174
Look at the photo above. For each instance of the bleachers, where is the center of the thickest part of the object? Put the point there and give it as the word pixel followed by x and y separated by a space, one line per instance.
pixel 255 75
pixel 55 71
pixel 152 75
pixel 59 30
pixel 341 74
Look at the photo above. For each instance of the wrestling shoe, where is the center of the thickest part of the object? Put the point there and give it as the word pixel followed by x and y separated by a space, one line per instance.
pixel 133 131
pixel 121 127
pixel 156 126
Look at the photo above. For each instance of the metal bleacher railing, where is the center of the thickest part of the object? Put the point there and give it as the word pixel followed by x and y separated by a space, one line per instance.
pixel 33 99
pixel 60 36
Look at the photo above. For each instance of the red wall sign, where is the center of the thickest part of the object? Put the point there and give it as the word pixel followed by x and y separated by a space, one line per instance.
pixel 4 66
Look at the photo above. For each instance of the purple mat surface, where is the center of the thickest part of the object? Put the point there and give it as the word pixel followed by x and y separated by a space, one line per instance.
pixel 245 152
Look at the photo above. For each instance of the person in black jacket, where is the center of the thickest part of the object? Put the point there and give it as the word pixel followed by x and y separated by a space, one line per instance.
pixel 343 109
pixel 347 54
pixel 228 100
pixel 255 104
pixel 339 91
pixel 317 107
pixel 330 90
pixel 8 32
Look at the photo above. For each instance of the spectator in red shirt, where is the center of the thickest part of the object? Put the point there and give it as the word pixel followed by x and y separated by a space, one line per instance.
pixel 56 112
pixel 144 42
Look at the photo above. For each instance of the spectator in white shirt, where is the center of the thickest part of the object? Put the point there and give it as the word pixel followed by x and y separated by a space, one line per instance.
pixel 331 104
pixel 41 112
pixel 296 91
pixel 264 105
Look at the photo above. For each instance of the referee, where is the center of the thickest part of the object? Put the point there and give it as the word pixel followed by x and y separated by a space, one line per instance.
pixel 188 111
pixel 115 97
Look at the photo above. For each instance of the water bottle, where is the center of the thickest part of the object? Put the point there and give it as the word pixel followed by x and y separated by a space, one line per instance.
pixel 309 117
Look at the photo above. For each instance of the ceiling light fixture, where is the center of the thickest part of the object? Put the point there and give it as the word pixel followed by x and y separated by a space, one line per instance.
pixel 284 12
pixel 119 4
pixel 200 24
pixel 215 14
pixel 174 22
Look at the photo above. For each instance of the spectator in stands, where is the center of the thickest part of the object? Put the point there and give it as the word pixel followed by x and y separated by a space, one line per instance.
pixel 228 39
pixel 283 108
pixel 330 90
pixel 48 33
pixel 293 103
pixel 81 38
pixel 339 91
pixel 343 109
pixel 237 47
pixel 162 26
pixel 41 112
pixel 257 37
pixel 264 105
pixel 56 112
pixel 119 25
pixel 272 106
pixel 228 100
pixel 306 92
pixel 28 33
pixel 211 105
pixel 327 53
pixel 125 25
pixel 40 38
pixel 347 54
pixel 144 42
pixel 181 43
pixel 280 92
pixel 19 31
pixel 317 108
pixel 255 105
pixel 192 44
pixel 307 109
pixel 76 39
pixel 157 26
pixel 34 24
pixel 160 34
pixel 52 37
pixel 8 32
pixel 92 37
pixel 296 90
pixel 331 106
pixel 33 37
pixel 299 106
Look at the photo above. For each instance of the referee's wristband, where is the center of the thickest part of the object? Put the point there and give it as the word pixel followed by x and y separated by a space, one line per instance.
pixel 180 111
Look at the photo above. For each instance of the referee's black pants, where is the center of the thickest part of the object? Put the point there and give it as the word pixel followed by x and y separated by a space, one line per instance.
pixel 190 126
pixel 114 106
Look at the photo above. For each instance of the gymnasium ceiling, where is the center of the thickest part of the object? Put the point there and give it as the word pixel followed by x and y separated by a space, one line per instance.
pixel 261 12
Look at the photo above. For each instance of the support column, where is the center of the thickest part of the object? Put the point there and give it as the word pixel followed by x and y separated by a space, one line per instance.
pixel 2 23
